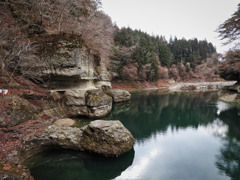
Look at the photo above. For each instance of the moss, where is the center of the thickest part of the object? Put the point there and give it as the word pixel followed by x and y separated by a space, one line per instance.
pixel 82 123
pixel 96 97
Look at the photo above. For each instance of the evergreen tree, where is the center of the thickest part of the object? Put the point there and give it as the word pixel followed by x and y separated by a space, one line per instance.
pixel 164 54
pixel 145 49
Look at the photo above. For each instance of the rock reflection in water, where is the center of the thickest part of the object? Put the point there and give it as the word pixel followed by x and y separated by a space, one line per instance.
pixel 72 165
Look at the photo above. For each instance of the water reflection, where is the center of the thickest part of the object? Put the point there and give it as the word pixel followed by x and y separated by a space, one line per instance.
pixel 157 116
pixel 152 112
pixel 228 160
pixel 72 165
pixel 178 136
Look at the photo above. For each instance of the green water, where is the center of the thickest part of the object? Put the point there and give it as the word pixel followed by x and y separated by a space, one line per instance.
pixel 178 136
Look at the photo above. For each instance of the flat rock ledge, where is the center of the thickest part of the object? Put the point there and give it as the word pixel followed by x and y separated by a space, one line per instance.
pixel 106 138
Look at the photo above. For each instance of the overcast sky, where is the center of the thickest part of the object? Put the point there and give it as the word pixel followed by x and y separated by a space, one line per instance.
pixel 180 18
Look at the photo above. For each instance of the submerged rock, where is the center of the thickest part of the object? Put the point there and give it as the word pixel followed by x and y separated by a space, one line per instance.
pixel 108 138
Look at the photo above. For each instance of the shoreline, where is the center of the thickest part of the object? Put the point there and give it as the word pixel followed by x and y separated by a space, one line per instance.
pixel 177 86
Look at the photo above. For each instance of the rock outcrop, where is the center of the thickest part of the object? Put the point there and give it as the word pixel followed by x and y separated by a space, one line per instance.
pixel 67 63
pixel 107 138
pixel 75 102
pixel 230 70
pixel 118 95
pixel 230 94
pixel 99 104
pixel 78 74
pixel 55 59
pixel 91 103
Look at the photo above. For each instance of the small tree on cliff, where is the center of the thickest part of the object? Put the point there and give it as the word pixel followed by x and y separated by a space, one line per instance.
pixel 230 29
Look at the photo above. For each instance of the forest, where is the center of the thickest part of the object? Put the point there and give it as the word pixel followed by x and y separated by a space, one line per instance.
pixel 152 53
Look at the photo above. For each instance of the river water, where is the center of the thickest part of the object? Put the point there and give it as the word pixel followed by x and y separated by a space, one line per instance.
pixel 178 136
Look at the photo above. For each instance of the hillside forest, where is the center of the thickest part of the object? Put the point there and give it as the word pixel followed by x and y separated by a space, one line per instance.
pixel 142 57
pixel 128 54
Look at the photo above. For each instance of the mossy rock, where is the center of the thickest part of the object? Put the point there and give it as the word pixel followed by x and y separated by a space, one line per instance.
pixel 97 98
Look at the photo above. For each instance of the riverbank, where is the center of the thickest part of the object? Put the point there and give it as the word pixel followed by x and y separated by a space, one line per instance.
pixel 201 86
pixel 171 85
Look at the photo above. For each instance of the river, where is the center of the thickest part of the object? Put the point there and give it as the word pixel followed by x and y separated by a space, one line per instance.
pixel 183 136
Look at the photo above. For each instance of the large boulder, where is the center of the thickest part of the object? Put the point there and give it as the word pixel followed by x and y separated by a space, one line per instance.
pixel 108 138
pixel 118 95
pixel 52 137
pixel 99 104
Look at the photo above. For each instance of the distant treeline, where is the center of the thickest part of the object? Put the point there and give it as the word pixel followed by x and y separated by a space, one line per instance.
pixel 135 46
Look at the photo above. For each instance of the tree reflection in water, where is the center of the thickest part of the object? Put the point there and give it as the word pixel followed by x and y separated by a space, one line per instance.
pixel 156 113
pixel 228 161
pixel 151 112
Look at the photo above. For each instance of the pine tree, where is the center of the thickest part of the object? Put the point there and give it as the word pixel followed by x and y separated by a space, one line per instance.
pixel 164 54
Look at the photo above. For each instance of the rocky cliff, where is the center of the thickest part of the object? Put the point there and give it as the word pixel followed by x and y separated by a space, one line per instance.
pixel 68 63
pixel 73 73
pixel 230 70
pixel 53 62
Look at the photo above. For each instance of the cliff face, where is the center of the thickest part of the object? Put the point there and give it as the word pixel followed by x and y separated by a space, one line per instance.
pixel 55 46
pixel 65 62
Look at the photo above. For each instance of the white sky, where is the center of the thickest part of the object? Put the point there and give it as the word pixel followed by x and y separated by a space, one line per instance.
pixel 181 18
